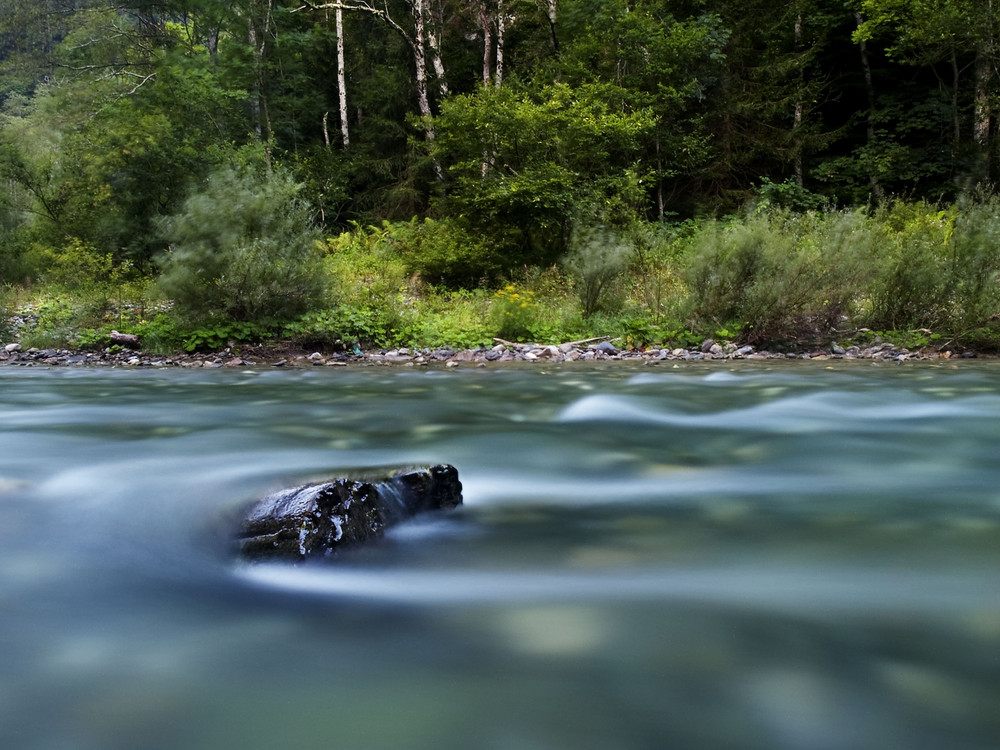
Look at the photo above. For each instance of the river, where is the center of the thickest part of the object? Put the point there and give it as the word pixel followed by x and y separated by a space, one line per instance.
pixel 766 556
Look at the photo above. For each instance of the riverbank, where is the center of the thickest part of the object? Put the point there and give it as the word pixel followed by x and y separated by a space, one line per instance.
pixel 504 352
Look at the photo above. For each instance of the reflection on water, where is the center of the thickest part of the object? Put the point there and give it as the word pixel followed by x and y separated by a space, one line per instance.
pixel 759 557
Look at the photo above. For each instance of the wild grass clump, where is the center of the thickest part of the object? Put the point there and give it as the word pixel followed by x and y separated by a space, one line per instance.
pixel 242 249
pixel 653 281
pixel 82 297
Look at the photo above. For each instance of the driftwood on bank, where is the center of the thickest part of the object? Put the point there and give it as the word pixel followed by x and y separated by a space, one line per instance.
pixel 127 340
pixel 315 520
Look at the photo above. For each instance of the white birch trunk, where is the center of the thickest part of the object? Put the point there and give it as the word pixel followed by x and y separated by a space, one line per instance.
pixel 484 22
pixel 501 29
pixel 434 26
pixel 341 82
pixel 420 64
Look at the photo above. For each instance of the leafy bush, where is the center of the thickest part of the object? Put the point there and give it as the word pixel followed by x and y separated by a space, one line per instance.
pixel 910 280
pixel 444 252
pixel 790 195
pixel 363 326
pixel 514 313
pixel 222 335
pixel 243 249
pixel 654 280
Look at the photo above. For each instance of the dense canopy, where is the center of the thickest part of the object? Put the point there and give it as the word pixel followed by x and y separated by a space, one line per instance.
pixel 514 115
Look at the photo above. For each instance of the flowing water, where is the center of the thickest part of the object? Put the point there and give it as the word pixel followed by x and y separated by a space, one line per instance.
pixel 757 557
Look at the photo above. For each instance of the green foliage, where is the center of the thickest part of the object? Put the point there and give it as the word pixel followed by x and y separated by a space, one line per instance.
pixel 6 329
pixel 526 160
pixel 914 340
pixel 456 319
pixel 445 252
pixel 975 265
pixel 515 313
pixel 361 326
pixel 910 281
pixel 595 262
pixel 789 195
pixel 242 249
pixel 222 335
pixel 57 322
pixel 778 276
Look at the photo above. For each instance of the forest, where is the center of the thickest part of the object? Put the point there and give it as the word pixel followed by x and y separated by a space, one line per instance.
pixel 386 173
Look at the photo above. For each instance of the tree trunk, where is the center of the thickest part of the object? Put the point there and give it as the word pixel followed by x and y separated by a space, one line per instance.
pixel 420 64
pixel 982 112
pixel 799 109
pixel 418 43
pixel 257 40
pixel 501 29
pixel 341 81
pixel 981 123
pixel 870 91
pixel 433 42
pixel 551 14
pixel 956 114
pixel 486 26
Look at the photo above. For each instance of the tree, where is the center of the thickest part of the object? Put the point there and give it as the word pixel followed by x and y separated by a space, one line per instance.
pixel 961 34
pixel 555 153
pixel 242 248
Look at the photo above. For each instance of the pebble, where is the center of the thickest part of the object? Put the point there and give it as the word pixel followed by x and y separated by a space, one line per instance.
pixel 12 355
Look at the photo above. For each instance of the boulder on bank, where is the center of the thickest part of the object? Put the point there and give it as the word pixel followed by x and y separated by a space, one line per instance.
pixel 316 519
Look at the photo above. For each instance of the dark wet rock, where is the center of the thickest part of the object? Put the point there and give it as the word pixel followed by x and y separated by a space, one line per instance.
pixel 607 347
pixel 315 520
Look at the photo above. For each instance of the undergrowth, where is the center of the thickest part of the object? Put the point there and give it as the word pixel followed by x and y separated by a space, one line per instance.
pixel 914 274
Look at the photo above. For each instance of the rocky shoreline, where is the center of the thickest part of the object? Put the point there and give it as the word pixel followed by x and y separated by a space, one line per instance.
pixel 503 353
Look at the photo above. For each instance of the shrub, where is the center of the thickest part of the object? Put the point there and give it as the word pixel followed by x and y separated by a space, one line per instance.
pixel 444 252
pixel 514 313
pixel 595 262
pixel 243 249
pixel 777 275
pixel 975 266
pixel 909 284
pixel 653 274
pixel 459 319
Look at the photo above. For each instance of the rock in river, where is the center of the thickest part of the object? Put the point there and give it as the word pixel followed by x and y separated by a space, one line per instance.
pixel 314 520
